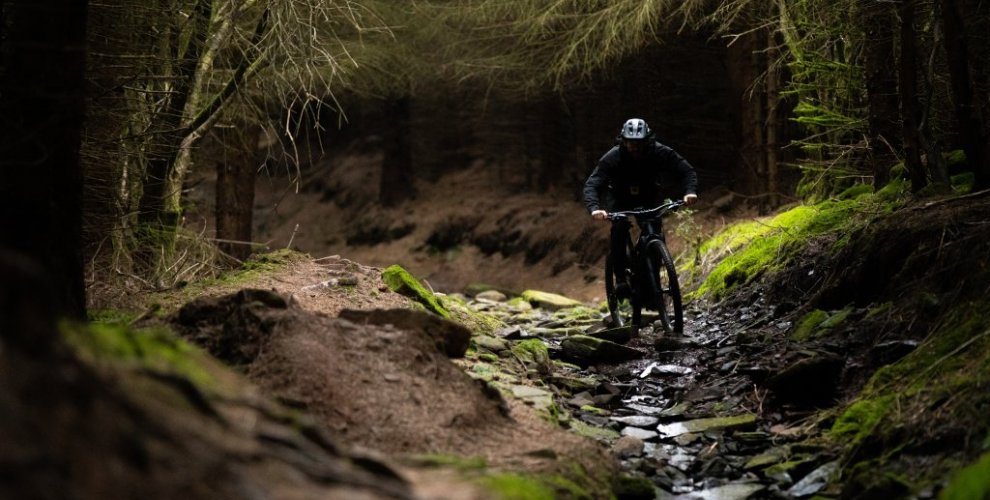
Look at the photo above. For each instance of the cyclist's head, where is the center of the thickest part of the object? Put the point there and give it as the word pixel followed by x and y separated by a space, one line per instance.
pixel 635 129
pixel 635 136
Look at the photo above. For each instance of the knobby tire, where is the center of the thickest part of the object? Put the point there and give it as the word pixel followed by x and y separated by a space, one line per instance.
pixel 610 295
pixel 664 275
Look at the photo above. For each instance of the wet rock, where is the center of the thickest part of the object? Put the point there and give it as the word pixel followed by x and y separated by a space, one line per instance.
pixel 491 344
pixel 766 459
pixel 491 295
pixel 628 446
pixel 549 301
pixel 814 482
pixel 603 399
pixel 619 335
pixel 643 434
pixel 534 396
pixel 671 343
pixel 810 382
pixel 658 369
pixel 637 420
pixel 886 353
pixel 510 333
pixel 583 398
pixel 584 350
pixel 644 409
pixel 732 491
pixel 707 424
pixel 452 338
pixel 572 384
pixel 675 411
pixel 687 439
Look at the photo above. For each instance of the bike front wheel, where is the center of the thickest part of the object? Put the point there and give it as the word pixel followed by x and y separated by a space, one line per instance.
pixel 668 292
pixel 611 280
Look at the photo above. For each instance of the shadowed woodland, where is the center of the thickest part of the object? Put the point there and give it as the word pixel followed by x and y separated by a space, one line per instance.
pixel 153 148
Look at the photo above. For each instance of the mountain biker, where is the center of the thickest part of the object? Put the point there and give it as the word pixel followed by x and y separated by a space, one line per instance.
pixel 629 176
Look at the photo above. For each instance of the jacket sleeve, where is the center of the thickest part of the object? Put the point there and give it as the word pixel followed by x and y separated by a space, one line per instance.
pixel 681 167
pixel 596 183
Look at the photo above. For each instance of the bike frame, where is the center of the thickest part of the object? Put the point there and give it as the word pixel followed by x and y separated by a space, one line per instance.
pixel 646 289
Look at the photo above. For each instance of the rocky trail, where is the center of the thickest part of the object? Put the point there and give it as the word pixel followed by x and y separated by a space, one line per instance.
pixel 682 412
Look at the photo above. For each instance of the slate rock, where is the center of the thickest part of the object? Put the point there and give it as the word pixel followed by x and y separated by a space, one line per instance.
pixel 628 446
pixel 585 350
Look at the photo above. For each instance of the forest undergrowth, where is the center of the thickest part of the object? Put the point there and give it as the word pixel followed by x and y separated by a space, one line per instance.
pixel 896 286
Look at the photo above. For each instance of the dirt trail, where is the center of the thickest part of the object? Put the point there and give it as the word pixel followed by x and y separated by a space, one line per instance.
pixel 377 387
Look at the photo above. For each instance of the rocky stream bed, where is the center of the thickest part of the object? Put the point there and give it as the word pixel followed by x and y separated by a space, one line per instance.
pixel 709 414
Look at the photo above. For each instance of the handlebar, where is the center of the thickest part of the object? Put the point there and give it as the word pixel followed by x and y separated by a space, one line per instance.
pixel 652 213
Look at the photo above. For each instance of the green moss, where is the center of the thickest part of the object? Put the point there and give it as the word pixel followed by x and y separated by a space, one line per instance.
pixel 963 183
pixel 635 487
pixel 156 349
pixel 808 325
pixel 594 409
pixel 860 419
pixel 487 357
pixel 593 432
pixel 969 483
pixel 272 261
pixel 476 321
pixel 941 383
pixel 746 251
pixel 787 466
pixel 855 191
pixel 517 487
pixel 111 317
pixel 454 461
pixel 895 189
pixel 484 371
pixel 400 281
pixel 566 488
pixel 533 353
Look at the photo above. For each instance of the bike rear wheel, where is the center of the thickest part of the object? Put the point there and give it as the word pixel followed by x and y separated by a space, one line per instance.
pixel 664 275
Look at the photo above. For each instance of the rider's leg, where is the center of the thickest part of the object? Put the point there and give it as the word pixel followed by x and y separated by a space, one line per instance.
pixel 617 248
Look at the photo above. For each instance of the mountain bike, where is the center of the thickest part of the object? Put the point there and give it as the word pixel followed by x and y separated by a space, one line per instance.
pixel 650 273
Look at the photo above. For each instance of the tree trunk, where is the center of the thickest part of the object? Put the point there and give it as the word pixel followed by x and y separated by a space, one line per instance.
pixel 773 120
pixel 971 131
pixel 235 192
pixel 41 101
pixel 908 89
pixel 884 136
pixel 760 105
pixel 397 180
pixel 158 207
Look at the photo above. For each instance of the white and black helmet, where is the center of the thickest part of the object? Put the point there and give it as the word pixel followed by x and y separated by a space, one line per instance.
pixel 635 129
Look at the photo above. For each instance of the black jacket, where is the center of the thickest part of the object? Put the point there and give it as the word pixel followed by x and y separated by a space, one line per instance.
pixel 635 183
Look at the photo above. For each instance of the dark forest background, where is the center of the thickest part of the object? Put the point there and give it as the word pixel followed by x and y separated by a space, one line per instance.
pixel 777 100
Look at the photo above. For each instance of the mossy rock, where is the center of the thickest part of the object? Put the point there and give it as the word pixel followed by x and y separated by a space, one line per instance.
pixel 585 350
pixel 549 301
pixel 534 354
pixel 400 281
pixel 634 488
pixel 476 321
